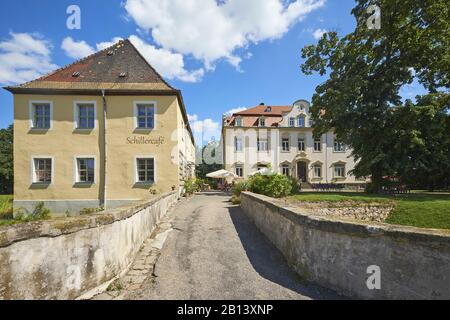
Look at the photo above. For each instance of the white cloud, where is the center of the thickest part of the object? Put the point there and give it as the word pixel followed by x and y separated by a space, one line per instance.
pixel 210 30
pixel 318 33
pixel 169 64
pixel 192 117
pixel 24 57
pixel 76 49
pixel 235 110
pixel 106 44
pixel 204 130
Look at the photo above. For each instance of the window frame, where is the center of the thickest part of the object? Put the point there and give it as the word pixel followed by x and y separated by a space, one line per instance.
pixel 303 142
pixel 261 122
pixel 285 167
pixel 33 170
pixel 303 125
pixel 236 138
pixel 335 166
pixel 31 114
pixel 291 122
pixel 136 114
pixel 320 144
pixel 76 172
pixel 317 166
pixel 136 171
pixel 238 122
pixel 239 168
pixel 262 141
pixel 76 115
pixel 339 143
pixel 288 144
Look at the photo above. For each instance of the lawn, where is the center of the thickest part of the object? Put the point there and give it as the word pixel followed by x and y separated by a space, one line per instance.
pixel 5 209
pixel 424 210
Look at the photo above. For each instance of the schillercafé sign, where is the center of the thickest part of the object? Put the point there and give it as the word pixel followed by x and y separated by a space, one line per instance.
pixel 146 140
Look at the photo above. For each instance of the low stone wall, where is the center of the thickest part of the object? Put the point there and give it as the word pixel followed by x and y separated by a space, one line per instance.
pixel 336 253
pixel 63 259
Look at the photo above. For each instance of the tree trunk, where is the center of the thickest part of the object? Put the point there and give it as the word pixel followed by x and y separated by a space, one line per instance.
pixel 377 179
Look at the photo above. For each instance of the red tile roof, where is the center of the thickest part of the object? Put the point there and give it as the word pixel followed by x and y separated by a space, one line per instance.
pixel 263 110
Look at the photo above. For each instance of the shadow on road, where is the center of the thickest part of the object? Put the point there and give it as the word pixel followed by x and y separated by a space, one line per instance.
pixel 268 261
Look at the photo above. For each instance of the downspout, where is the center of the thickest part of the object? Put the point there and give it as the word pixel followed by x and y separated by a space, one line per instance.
pixel 326 157
pixel 103 199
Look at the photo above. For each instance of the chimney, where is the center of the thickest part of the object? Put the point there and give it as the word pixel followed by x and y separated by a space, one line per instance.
pixel 261 104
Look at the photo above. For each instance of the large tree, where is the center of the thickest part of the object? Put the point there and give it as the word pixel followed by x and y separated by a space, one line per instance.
pixel 368 67
pixel 6 161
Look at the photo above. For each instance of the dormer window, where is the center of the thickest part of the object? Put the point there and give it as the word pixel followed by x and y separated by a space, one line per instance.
pixel 291 122
pixel 268 109
pixel 301 121
pixel 238 122
pixel 262 122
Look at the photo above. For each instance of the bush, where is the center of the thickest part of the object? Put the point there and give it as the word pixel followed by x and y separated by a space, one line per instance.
pixel 191 186
pixel 239 187
pixel 86 211
pixel 40 212
pixel 275 186
pixel 236 199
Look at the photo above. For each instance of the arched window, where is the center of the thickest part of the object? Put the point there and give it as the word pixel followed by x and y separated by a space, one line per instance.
pixel 301 121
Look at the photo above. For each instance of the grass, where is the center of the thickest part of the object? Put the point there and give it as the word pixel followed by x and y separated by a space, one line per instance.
pixel 6 210
pixel 423 210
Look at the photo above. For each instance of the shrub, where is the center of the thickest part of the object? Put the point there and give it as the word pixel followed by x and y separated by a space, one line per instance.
pixel 86 211
pixel 190 186
pixel 39 212
pixel 239 187
pixel 235 199
pixel 276 186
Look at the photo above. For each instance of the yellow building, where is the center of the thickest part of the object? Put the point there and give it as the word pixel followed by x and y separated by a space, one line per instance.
pixel 104 131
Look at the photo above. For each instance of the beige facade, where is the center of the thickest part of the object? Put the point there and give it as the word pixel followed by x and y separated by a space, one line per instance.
pixel 70 158
pixel 282 138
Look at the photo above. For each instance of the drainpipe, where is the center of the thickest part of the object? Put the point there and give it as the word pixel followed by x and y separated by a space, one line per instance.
pixel 326 157
pixel 103 174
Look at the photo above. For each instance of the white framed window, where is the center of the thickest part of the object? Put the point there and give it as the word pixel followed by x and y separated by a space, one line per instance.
pixel 238 122
pixel 301 144
pixel 285 170
pixel 239 170
pixel 291 122
pixel 339 171
pixel 301 121
pixel 85 115
pixel 85 169
pixel 42 169
pixel 285 144
pixel 145 170
pixel 339 146
pixel 311 122
pixel 238 147
pixel 262 122
pixel 317 171
pixel 41 115
pixel 317 145
pixel 262 144
pixel 145 114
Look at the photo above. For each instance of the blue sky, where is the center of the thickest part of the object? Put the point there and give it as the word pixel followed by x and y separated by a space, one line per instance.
pixel 222 57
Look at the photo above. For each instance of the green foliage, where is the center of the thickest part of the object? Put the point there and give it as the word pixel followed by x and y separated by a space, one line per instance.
pixel 239 187
pixel 6 161
pixel 276 186
pixel 86 211
pixel 39 212
pixel 367 68
pixel 191 186
pixel 236 199
pixel 6 207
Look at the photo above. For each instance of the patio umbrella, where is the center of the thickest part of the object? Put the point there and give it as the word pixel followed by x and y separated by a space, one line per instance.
pixel 221 174
pixel 264 172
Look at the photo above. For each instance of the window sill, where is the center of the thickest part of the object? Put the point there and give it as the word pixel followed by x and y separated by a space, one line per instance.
pixel 38 130
pixel 143 130
pixel 144 184
pixel 83 130
pixel 83 184
pixel 334 151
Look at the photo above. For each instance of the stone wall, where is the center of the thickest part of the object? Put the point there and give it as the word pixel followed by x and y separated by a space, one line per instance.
pixel 336 253
pixel 66 258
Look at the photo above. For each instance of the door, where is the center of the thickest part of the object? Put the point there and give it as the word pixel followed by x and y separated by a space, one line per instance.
pixel 301 171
